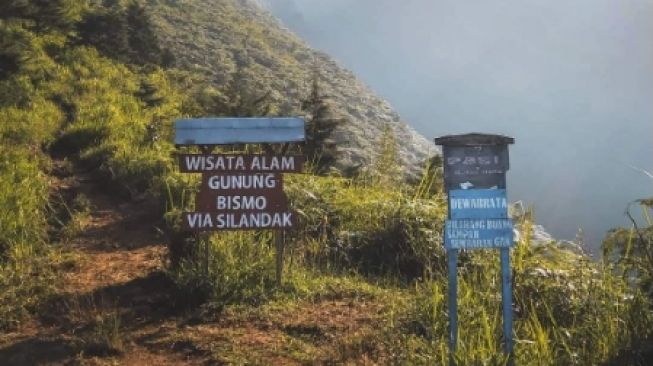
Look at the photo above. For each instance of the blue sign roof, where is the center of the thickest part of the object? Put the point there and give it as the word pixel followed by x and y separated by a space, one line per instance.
pixel 221 131
pixel 478 233
pixel 478 203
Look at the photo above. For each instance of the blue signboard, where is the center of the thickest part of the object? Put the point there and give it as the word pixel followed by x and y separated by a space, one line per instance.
pixel 241 130
pixel 478 203
pixel 478 233
pixel 475 166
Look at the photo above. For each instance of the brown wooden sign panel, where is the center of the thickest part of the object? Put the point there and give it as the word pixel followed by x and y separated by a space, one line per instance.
pixel 243 182
pixel 245 163
pixel 241 220
pixel 240 192
pixel 236 200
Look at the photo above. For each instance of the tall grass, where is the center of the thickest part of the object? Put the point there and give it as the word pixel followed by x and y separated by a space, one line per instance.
pixel 25 271
pixel 356 235
pixel 68 101
pixel 568 311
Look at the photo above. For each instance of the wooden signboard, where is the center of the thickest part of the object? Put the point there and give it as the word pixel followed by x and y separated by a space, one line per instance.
pixel 240 191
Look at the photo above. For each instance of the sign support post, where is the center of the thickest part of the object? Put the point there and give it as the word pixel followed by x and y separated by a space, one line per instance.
pixel 452 255
pixel 279 242
pixel 506 299
pixel 475 167
pixel 207 254
pixel 206 149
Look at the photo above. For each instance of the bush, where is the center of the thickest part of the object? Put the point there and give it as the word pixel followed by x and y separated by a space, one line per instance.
pixel 241 270
pixel 367 228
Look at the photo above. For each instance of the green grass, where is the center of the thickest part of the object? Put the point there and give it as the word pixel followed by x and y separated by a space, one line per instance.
pixel 358 241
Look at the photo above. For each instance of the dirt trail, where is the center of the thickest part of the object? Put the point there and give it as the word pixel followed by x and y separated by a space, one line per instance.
pixel 117 307
pixel 116 285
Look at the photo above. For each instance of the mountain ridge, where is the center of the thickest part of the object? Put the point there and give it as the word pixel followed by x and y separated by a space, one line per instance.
pixel 211 36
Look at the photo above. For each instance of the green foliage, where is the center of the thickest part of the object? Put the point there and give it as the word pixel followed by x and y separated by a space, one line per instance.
pixel 62 97
pixel 23 193
pixel 431 182
pixel 241 97
pixel 44 15
pixel 59 98
pixel 226 34
pixel 371 229
pixel 569 311
pixel 241 270
pixel 631 250
pixel 124 33
pixel 106 31
pixel 142 39
pixel 320 148
pixel 385 169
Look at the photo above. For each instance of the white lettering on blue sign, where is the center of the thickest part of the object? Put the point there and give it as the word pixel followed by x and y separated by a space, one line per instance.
pixel 478 233
pixel 478 203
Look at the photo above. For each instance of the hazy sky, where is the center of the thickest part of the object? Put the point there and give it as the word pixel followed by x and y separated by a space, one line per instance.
pixel 572 81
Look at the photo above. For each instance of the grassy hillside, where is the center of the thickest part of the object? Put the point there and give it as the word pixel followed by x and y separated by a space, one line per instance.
pixel 364 278
pixel 215 37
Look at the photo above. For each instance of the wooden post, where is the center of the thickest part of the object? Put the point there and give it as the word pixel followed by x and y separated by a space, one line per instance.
pixel 452 255
pixel 206 149
pixel 278 241
pixel 207 254
pixel 506 299
pixel 198 247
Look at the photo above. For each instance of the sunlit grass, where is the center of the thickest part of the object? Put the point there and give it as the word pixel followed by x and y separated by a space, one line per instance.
pixel 359 240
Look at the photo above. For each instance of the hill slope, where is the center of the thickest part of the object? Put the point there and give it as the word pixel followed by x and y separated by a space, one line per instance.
pixel 211 36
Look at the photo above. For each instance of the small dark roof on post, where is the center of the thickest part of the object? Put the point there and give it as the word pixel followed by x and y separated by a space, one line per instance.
pixel 474 139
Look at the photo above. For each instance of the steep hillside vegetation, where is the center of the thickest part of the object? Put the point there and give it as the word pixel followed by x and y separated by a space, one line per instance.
pixel 216 37
pixel 94 268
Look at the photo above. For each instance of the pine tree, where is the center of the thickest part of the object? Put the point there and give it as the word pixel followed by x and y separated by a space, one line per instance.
pixel 124 34
pixel 143 43
pixel 107 31
pixel 386 169
pixel 320 148
pixel 241 97
pixel 15 9
pixel 61 15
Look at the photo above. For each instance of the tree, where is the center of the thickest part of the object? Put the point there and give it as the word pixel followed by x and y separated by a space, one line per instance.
pixel 61 15
pixel 106 30
pixel 386 169
pixel 242 96
pixel 143 42
pixel 14 9
pixel 124 34
pixel 320 148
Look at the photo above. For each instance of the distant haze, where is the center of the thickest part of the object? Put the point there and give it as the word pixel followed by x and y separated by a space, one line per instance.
pixel 572 81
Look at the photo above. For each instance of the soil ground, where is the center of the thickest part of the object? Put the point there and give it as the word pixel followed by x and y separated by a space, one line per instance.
pixel 116 306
